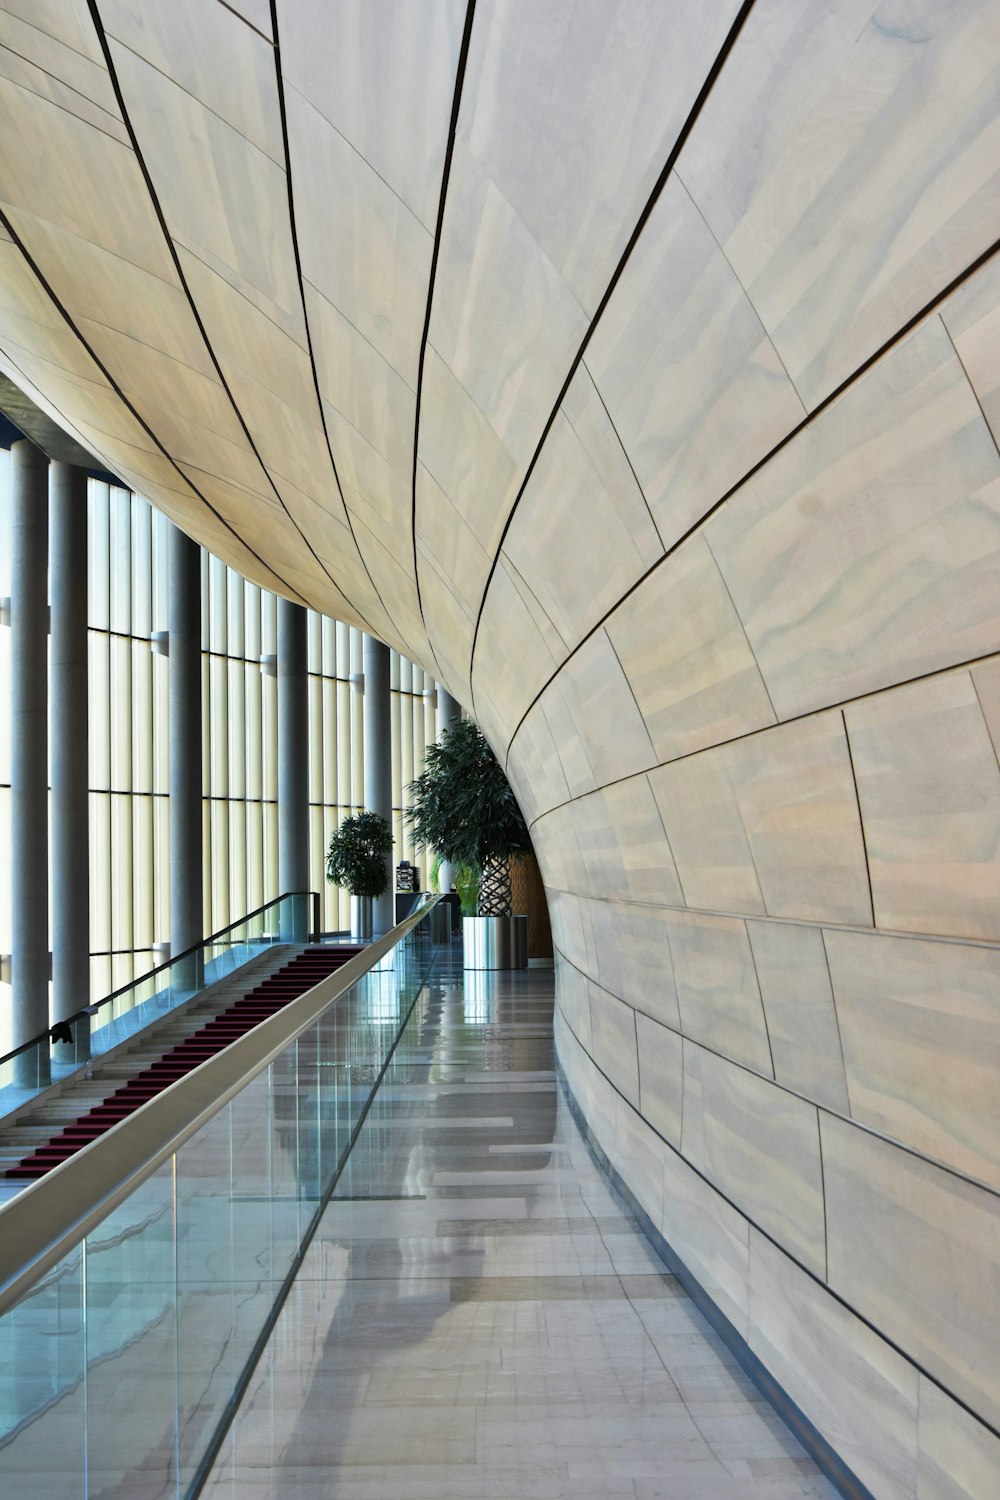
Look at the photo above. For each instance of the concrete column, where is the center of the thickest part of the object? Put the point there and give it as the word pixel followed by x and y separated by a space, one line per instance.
pixel 187 918
pixel 69 717
pixel 293 762
pixel 448 710
pixel 378 763
pixel 29 756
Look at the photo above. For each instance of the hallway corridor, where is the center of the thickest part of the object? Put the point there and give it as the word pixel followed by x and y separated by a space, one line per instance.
pixel 478 1317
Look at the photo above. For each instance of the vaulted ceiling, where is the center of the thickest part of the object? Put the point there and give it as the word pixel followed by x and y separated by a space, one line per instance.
pixel 633 366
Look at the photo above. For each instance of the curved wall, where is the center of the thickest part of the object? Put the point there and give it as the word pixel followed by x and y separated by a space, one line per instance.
pixel 635 367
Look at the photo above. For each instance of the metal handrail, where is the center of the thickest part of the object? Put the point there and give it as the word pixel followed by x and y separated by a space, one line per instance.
pixel 55 1212
pixel 92 1010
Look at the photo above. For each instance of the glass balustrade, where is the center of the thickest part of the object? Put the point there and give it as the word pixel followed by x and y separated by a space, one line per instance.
pixel 124 1361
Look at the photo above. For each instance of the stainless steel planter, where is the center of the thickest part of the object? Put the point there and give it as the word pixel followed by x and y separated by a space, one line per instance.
pixel 486 942
pixel 495 942
pixel 361 917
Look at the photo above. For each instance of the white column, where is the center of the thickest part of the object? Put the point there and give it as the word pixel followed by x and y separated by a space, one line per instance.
pixel 70 719
pixel 29 855
pixel 378 763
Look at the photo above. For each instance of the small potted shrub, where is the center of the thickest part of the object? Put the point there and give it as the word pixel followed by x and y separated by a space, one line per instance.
pixel 356 858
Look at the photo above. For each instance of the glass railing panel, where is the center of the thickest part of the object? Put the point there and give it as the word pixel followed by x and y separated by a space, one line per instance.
pixel 43 1369
pixel 128 1357
pixel 131 1338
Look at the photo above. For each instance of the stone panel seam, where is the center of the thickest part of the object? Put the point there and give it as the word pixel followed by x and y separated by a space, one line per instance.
pixel 175 259
pixel 903 934
pixel 456 103
pixel 972 388
pixel 665 172
pixel 112 383
pixel 830 1291
pixel 861 816
pixel 793 432
pixel 861 1125
pixel 293 231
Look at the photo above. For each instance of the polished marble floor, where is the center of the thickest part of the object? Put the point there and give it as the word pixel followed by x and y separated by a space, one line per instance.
pixel 478 1316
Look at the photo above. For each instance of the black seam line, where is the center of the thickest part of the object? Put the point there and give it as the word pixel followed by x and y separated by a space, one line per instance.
pixel 361 157
pixel 68 425
pixel 172 251
pixel 795 1094
pixel 861 817
pixel 228 124
pixel 256 29
pixel 793 432
pixel 836 1014
pixel 979 700
pixel 456 104
pixel 820 1109
pixel 627 680
pixel 760 321
pixel 130 408
pixel 360 333
pixel 62 84
pixel 651 201
pixel 760 993
pixel 783 1249
pixel 611 422
pixel 280 89
pixel 972 388
pixel 59 41
pixel 822 1189
pixel 750 734
pixel 824 925
pixel 743 630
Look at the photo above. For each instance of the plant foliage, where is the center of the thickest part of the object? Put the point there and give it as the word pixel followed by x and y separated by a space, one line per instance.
pixel 462 805
pixel 356 855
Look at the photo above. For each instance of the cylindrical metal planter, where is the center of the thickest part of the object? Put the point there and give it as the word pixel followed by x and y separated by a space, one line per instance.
pixel 361 917
pixel 486 942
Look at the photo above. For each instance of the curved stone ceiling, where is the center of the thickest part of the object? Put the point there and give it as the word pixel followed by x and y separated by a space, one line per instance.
pixel 633 365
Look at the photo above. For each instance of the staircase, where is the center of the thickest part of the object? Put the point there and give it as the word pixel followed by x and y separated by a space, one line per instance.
pixel 64 1123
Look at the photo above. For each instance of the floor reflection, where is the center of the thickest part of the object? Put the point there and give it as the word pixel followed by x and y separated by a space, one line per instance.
pixel 477 1316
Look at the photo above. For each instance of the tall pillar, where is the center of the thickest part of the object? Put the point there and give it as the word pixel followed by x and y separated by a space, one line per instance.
pixel 293 764
pixel 29 757
pixel 378 762
pixel 187 916
pixel 69 717
pixel 448 710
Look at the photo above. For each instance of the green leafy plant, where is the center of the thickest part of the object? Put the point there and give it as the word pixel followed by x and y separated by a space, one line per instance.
pixel 467 885
pixel 356 854
pixel 462 806
pixel 433 871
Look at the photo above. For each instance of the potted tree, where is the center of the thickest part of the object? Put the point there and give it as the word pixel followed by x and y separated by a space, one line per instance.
pixel 462 806
pixel 356 860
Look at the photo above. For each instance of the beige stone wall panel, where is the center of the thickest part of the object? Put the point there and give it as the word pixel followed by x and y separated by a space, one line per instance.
pixel 915 1249
pixel 920 1023
pixel 759 1145
pixel 802 1023
pixel 717 991
pixel 929 786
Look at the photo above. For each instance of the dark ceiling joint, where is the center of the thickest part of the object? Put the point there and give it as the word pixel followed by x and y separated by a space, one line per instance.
pixel 668 167
pixel 456 104
pixel 279 85
pixel 64 314
pixel 175 258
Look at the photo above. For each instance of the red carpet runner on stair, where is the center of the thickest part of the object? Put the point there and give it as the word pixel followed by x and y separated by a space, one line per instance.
pixel 270 995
